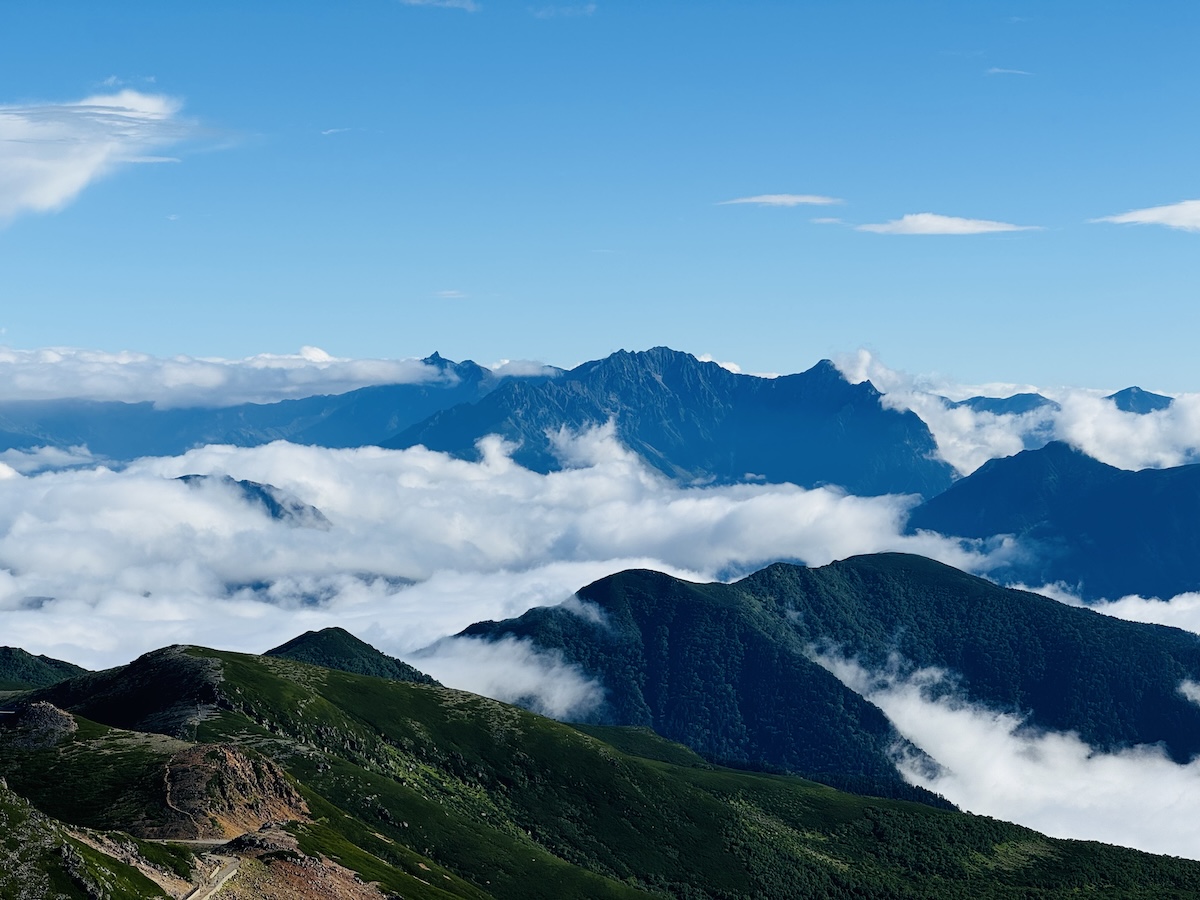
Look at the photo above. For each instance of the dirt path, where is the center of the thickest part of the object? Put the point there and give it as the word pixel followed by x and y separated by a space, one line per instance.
pixel 227 867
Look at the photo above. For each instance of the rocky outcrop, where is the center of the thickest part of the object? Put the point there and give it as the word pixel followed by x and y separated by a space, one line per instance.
pixel 221 791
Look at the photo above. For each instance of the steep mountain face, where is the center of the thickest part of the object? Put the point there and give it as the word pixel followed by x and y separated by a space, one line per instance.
pixel 336 648
pixel 124 431
pixel 1115 683
pixel 720 673
pixel 1135 400
pixel 1104 532
pixel 20 670
pixel 432 793
pixel 694 421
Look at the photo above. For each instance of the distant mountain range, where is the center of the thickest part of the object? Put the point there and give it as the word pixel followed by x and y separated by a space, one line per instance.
pixel 1103 532
pixel 726 668
pixel 694 421
pixel 1130 400
pixel 124 431
pixel 323 783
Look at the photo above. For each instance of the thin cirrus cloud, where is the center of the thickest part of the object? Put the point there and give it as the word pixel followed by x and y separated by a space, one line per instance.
pixel 49 153
pixel 784 200
pixel 1184 216
pixel 996 70
pixel 466 5
pixel 932 223
pixel 563 12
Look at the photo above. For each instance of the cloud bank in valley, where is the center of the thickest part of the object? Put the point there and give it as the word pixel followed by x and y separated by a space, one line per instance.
pixel 98 565
pixel 993 765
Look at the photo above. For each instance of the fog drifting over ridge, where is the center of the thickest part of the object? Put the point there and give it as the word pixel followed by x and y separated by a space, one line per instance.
pixel 967 439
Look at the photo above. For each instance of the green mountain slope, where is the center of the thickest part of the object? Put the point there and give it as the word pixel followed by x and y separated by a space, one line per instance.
pixel 721 673
pixel 20 670
pixel 437 793
pixel 40 859
pixel 1115 683
pixel 336 648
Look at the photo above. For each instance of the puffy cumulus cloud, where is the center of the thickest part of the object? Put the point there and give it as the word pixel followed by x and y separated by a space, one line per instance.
pixel 50 152
pixel 1184 216
pixel 60 372
pixel 1181 611
pixel 992 764
pixel 967 438
pixel 1165 437
pixel 99 565
pixel 933 223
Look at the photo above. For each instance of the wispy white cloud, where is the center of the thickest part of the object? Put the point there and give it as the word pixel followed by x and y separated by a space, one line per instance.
pixel 451 295
pixel 932 223
pixel 467 5
pixel 1184 215
pixel 563 12
pixel 784 200
pixel 329 131
pixel 49 153
pixel 996 70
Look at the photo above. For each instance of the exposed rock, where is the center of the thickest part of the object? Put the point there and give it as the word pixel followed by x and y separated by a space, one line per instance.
pixel 36 725
pixel 221 791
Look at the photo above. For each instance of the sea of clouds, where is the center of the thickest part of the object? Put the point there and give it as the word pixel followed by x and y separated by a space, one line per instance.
pixel 98 565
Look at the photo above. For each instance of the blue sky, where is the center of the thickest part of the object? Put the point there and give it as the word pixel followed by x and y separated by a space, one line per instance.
pixel 513 180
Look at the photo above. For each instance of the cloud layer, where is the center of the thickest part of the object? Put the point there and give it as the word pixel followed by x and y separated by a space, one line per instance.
pixel 60 372
pixel 49 153
pixel 993 765
pixel 421 544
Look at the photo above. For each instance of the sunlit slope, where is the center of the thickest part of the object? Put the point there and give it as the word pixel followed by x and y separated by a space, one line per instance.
pixel 435 792
pixel 20 670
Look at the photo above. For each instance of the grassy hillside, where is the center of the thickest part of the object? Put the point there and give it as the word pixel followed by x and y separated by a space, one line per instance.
pixel 20 670
pixel 336 648
pixel 438 793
